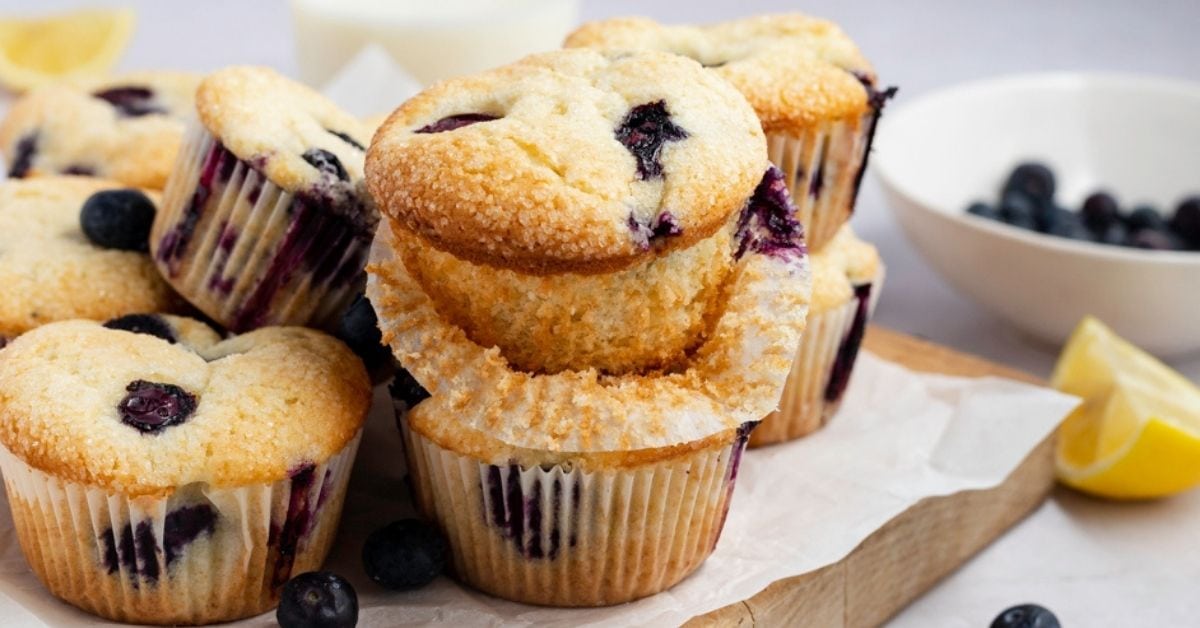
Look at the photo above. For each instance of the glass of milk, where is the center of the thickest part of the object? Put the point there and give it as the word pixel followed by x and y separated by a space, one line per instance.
pixel 431 39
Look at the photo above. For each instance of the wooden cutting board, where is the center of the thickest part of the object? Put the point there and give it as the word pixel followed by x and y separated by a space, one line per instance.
pixel 911 553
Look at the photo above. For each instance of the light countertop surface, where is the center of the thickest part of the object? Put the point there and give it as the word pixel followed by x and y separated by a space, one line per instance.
pixel 1094 563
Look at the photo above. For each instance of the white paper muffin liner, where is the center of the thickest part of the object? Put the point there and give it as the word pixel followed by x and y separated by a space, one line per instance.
pixel 246 252
pixel 114 556
pixel 562 536
pixel 808 401
pixel 821 168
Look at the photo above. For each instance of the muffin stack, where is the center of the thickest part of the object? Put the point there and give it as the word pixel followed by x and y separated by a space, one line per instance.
pixel 157 471
pixel 597 283
pixel 818 101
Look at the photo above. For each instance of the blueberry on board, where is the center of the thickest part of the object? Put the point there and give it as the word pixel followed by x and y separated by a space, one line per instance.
pixel 983 210
pixel 1026 616
pixel 118 219
pixel 1186 221
pixel 1099 211
pixel 359 329
pixel 1033 179
pixel 1145 217
pixel 1153 240
pixel 317 599
pixel 405 554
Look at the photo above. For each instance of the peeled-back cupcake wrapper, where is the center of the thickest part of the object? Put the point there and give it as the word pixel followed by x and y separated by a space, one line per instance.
pixel 201 555
pixel 821 169
pixel 248 253
pixel 563 536
pixel 824 363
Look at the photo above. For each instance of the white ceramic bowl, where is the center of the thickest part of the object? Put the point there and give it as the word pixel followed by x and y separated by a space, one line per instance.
pixel 1137 137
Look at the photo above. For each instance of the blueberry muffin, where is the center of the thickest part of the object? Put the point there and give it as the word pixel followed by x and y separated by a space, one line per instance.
pixel 265 219
pixel 50 269
pixel 578 488
pixel 817 97
pixel 847 279
pixel 525 198
pixel 158 474
pixel 126 128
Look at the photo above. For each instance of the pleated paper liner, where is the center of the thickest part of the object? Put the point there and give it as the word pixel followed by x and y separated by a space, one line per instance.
pixel 200 555
pixel 824 166
pixel 562 536
pixel 248 253
pixel 822 369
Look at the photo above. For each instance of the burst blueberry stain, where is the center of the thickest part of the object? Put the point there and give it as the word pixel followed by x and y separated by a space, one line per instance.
pixel 740 439
pixel 296 524
pixel 137 548
pixel 326 162
pixel 847 353
pixel 663 226
pixel 768 223
pixel 458 121
pixel 217 281
pixel 876 99
pixel 345 137
pixel 23 154
pixel 644 131
pixel 151 407
pixel 520 516
pixel 131 101
pixel 818 181
pixel 218 163
pixel 149 324
pixel 79 170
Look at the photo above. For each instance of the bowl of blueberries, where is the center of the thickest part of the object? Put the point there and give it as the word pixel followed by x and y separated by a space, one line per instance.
pixel 1049 197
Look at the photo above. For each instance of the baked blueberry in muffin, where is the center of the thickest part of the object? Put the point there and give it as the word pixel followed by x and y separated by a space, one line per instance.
pixel 266 219
pixel 525 198
pixel 192 476
pixel 126 128
pixel 816 95
pixel 60 260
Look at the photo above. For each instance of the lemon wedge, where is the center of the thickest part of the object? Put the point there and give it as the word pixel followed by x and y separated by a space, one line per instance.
pixel 1137 433
pixel 35 51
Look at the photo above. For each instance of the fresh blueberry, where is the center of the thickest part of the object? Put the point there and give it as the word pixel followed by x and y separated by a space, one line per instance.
pixel 983 210
pixel 131 101
pixel 405 554
pixel 359 329
pixel 644 131
pixel 1067 224
pixel 151 407
pixel 1154 240
pixel 1018 210
pixel 1033 179
pixel 118 219
pixel 1026 616
pixel 22 161
pixel 1116 234
pixel 149 324
pixel 450 123
pixel 1145 217
pixel 317 599
pixel 1099 211
pixel 1186 221
pixel 326 162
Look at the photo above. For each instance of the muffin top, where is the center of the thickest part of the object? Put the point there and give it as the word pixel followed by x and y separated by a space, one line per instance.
pixel 126 128
pixel 299 139
pixel 569 161
pixel 49 270
pixel 138 414
pixel 841 265
pixel 795 70
pixel 477 404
